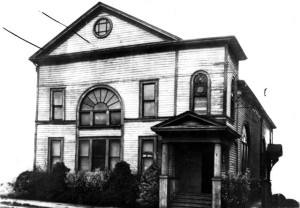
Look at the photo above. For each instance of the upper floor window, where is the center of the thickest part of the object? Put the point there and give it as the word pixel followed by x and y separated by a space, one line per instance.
pixel 102 27
pixel 148 100
pixel 100 107
pixel 57 104
pixel 55 151
pixel 244 149
pixel 232 98
pixel 200 94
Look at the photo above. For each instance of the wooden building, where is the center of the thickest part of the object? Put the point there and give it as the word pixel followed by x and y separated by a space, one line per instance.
pixel 112 87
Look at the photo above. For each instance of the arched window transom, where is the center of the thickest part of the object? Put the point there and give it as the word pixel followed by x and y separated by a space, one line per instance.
pixel 200 94
pixel 100 107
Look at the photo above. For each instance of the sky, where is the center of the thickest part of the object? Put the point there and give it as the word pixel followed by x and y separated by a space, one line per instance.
pixel 268 32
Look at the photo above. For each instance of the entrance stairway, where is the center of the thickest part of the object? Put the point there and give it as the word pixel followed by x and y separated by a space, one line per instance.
pixel 186 200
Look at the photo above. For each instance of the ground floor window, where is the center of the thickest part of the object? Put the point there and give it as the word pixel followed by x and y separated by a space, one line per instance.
pixel 147 152
pixel 98 153
pixel 55 151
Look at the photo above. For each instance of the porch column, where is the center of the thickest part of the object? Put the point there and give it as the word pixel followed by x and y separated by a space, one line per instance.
pixel 163 179
pixel 216 181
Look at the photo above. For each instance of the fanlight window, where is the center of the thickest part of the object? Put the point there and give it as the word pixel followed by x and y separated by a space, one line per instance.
pixel 200 94
pixel 100 107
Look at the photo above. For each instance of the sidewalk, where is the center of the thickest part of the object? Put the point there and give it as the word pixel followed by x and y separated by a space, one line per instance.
pixel 40 204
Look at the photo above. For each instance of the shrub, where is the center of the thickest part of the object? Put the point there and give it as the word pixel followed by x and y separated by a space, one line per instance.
pixel 42 185
pixel 149 188
pixel 235 190
pixel 87 186
pixel 122 189
pixel 291 203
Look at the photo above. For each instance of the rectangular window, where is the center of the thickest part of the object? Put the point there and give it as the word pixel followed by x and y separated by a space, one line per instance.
pixel 55 151
pixel 147 152
pixel 149 97
pixel 98 153
pixel 57 104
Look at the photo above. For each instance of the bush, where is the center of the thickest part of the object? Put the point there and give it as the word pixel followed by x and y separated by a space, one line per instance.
pixel 122 189
pixel 87 186
pixel 42 185
pixel 291 203
pixel 235 190
pixel 149 188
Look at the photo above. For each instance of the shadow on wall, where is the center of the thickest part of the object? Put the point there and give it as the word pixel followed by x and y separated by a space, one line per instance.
pixel 279 201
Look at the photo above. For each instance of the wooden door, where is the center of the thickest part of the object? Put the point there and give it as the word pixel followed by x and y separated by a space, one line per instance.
pixel 190 169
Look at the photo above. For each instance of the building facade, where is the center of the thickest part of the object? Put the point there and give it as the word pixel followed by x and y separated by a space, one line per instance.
pixel 112 87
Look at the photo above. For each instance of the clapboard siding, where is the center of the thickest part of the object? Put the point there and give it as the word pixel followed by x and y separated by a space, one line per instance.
pixel 132 131
pixel 122 74
pixel 122 34
pixel 210 60
pixel 232 72
pixel 67 132
pixel 101 132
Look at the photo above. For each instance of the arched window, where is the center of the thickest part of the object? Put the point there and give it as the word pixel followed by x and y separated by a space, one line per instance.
pixel 244 149
pixel 200 94
pixel 232 98
pixel 100 107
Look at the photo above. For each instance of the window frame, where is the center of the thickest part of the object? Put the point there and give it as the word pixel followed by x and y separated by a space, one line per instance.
pixel 232 98
pixel 90 154
pixel 52 105
pixel 140 155
pixel 142 101
pixel 91 113
pixel 244 149
pixel 107 31
pixel 50 139
pixel 192 97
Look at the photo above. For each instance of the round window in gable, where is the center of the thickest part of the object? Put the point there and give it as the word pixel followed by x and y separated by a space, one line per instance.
pixel 102 27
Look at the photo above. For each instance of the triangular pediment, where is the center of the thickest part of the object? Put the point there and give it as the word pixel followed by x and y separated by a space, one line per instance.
pixel 186 120
pixel 80 35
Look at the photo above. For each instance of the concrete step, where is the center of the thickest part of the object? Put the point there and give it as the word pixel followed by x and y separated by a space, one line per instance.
pixel 186 200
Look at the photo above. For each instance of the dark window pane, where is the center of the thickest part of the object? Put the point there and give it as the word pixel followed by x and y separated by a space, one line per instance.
pixel 98 162
pixel 83 163
pixel 100 118
pixel 85 119
pixel 200 105
pixel 115 118
pixel 108 96
pixel 201 78
pixel 58 113
pixel 149 109
pixel 100 107
pixel 148 91
pixel 84 148
pixel 57 97
pixel 148 146
pixel 99 147
pixel 55 148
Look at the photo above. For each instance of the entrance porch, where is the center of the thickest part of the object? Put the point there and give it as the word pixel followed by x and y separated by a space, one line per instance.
pixel 192 158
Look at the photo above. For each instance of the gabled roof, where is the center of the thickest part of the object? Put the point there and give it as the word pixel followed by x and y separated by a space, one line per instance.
pixel 90 14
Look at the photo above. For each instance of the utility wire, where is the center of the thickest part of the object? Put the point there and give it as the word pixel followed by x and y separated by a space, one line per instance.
pixel 22 39
pixel 65 26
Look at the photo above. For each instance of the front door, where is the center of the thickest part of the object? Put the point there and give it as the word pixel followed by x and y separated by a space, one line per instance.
pixel 189 169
